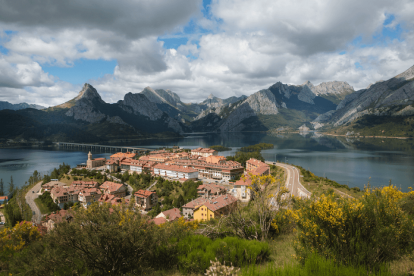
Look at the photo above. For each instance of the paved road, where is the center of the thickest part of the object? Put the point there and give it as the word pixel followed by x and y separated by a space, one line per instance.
pixel 31 195
pixel 293 181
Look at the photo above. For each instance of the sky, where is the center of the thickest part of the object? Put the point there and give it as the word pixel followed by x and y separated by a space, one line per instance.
pixel 49 49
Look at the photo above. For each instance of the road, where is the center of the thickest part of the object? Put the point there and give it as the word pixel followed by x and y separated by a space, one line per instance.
pixel 31 195
pixel 293 181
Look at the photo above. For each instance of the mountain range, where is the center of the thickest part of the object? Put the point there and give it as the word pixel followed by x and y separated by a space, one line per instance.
pixel 330 106
pixel 7 105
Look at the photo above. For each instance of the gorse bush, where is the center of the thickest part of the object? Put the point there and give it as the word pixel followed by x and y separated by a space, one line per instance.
pixel 368 232
pixel 195 252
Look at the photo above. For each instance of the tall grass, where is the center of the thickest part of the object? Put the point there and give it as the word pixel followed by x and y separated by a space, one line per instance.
pixel 315 265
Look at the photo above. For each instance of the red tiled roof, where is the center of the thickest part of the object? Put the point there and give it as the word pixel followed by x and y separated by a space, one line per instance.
pixel 172 214
pixel 111 186
pixel 203 150
pixel 60 216
pixel 158 221
pixel 218 202
pixel 122 155
pixel 111 161
pixel 242 182
pixel 260 170
pixel 143 193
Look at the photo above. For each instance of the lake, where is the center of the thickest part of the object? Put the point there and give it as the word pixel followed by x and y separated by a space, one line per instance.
pixel 347 161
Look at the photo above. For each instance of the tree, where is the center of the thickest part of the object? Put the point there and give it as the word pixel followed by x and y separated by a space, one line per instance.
pixel 266 203
pixel 11 185
pixel 1 187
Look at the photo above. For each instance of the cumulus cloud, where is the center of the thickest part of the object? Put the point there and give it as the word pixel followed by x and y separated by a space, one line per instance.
pixel 134 19
pixel 249 45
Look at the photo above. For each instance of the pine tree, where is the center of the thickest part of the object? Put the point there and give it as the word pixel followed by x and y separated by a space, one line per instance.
pixel 11 185
pixel 1 187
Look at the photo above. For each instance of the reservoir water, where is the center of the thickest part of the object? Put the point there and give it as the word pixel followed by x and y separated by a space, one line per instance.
pixel 347 161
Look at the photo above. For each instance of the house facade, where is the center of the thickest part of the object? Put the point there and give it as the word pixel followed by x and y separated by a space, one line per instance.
pixel 112 188
pixel 216 207
pixel 175 171
pixel 145 200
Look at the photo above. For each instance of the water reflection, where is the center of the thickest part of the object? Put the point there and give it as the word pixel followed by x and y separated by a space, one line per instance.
pixel 349 161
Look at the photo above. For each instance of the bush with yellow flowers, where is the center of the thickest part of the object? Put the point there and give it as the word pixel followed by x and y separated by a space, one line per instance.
pixel 369 231
pixel 13 240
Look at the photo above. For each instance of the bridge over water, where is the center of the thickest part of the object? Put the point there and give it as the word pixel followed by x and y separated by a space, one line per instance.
pixel 103 148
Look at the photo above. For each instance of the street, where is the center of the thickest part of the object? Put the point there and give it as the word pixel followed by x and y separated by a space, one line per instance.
pixel 31 195
pixel 293 181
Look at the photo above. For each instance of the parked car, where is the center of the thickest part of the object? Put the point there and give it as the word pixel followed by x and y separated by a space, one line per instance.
pixel 32 192
pixel 1 222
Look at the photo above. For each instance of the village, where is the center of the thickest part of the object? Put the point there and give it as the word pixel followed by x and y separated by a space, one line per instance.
pixel 222 183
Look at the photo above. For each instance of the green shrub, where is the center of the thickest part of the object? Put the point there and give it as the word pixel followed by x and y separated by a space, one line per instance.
pixel 195 252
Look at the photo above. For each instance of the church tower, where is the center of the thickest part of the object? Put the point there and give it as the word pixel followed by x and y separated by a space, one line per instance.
pixel 89 162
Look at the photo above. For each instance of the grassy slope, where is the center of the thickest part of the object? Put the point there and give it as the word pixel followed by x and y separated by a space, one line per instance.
pixel 42 207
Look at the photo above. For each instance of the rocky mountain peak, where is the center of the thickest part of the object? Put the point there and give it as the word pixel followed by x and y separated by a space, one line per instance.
pixel 211 96
pixel 407 74
pixel 89 92
pixel 332 87
pixel 308 84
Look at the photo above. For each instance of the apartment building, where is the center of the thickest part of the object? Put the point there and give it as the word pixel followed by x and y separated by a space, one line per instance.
pixel 85 184
pixel 221 170
pixel 140 166
pixel 89 195
pixel 241 189
pixel 175 171
pixel 112 188
pixel 204 152
pixel 257 167
pixel 210 190
pixel 145 200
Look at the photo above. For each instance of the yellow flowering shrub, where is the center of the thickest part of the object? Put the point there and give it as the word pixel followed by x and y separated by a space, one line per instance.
pixel 15 239
pixel 284 222
pixel 367 232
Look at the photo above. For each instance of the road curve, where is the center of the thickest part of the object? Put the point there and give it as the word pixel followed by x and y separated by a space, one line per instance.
pixel 31 195
pixel 293 180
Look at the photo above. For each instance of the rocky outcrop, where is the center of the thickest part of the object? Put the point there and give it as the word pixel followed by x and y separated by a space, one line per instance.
pixel 234 121
pixel 263 102
pixel 332 87
pixel 174 125
pixel 161 96
pixel 139 104
pixel 325 117
pixel 83 106
pixel 116 120
pixel 379 99
pixel 306 95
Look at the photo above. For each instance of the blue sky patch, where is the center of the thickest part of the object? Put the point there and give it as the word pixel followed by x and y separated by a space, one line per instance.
pixel 82 70
pixel 358 65
pixel 173 42
pixel 3 50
